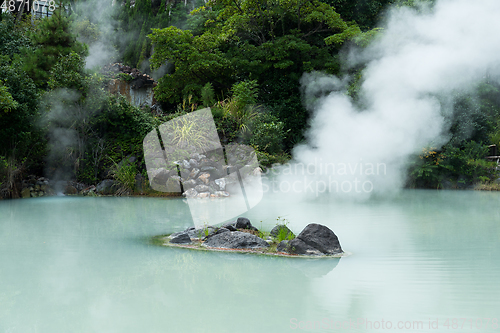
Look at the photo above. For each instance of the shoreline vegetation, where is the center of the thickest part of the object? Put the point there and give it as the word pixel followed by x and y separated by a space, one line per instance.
pixel 61 120
pixel 34 186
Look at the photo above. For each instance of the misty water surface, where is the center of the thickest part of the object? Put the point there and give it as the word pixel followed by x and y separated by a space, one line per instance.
pixel 85 265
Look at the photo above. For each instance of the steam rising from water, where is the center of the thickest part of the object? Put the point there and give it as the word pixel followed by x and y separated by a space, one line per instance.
pixel 414 68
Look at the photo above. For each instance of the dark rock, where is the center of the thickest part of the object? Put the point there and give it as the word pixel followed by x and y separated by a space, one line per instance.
pixel 282 246
pixel 106 187
pixel 230 226
pixel 243 223
pixel 70 190
pixel 139 182
pixel 276 230
pixel 236 240
pixel 201 232
pixel 219 231
pixel 321 238
pixel 182 238
pixel 297 246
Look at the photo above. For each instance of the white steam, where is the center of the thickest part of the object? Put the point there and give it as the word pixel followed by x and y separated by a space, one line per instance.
pixel 415 67
pixel 100 13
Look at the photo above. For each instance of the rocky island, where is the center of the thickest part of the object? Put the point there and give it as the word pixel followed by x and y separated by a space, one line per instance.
pixel 241 236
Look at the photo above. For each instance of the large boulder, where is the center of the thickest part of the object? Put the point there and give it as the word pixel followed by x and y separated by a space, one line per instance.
pixel 243 223
pixel 106 187
pixel 182 238
pixel 298 246
pixel 315 238
pixel 219 231
pixel 231 226
pixel 236 240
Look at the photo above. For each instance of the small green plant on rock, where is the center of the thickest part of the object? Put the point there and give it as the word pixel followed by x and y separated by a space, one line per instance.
pixel 205 229
pixel 124 174
pixel 284 232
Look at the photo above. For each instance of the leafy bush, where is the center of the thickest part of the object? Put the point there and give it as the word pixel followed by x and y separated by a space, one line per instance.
pixel 12 40
pixel 124 174
pixel 68 73
pixel 125 77
pixel 7 102
pixel 466 164
pixel 207 94
pixel 268 134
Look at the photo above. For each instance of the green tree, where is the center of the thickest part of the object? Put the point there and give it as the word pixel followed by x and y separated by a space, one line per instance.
pixel 68 72
pixel 273 43
pixel 52 41
pixel 7 102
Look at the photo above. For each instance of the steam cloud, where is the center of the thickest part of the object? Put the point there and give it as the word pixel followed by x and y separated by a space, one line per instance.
pixel 102 51
pixel 414 69
pixel 64 141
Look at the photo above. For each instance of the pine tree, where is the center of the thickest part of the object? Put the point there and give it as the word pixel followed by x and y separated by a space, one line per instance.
pixel 52 41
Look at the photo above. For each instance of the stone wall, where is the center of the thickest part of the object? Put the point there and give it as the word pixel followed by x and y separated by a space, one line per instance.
pixel 134 85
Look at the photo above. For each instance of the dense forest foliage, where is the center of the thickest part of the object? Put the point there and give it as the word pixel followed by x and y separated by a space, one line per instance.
pixel 244 59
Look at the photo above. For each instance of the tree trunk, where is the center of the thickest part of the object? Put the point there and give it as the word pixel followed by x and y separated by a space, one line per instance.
pixel 20 12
